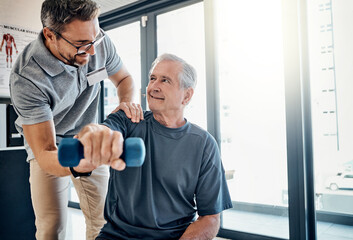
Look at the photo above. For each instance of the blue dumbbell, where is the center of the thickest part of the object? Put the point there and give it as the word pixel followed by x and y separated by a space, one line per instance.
pixel 70 152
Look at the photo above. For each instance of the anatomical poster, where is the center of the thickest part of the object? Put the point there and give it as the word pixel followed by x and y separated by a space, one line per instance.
pixel 13 39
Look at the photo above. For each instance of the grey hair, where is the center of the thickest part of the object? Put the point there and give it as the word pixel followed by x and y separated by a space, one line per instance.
pixel 187 76
pixel 55 14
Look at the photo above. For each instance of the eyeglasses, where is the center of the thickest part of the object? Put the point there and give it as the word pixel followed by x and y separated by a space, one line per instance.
pixel 86 47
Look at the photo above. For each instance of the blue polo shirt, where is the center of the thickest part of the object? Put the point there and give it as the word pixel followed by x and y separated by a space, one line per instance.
pixel 182 175
pixel 43 88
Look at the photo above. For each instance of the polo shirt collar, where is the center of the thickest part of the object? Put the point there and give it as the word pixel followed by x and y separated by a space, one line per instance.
pixel 45 59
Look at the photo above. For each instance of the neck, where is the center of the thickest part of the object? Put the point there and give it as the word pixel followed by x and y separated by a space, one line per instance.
pixel 170 121
pixel 57 54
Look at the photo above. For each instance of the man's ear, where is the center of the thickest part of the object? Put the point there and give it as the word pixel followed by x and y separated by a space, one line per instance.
pixel 188 95
pixel 49 35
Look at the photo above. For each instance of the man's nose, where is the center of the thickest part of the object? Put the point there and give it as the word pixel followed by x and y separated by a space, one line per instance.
pixel 152 87
pixel 156 89
pixel 92 50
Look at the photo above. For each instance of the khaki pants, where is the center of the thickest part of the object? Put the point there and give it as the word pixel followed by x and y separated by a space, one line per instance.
pixel 50 199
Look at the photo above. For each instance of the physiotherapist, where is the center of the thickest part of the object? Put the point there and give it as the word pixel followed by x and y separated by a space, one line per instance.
pixel 55 86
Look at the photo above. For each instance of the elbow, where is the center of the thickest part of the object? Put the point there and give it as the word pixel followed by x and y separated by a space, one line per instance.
pixel 214 223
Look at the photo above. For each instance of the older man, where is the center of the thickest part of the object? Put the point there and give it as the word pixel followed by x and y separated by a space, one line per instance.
pixel 182 175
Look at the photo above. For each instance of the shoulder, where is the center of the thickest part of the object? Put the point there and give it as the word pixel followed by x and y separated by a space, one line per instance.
pixel 147 115
pixel 31 74
pixel 26 68
pixel 209 143
pixel 106 55
pixel 121 115
pixel 25 64
pixel 107 44
pixel 202 133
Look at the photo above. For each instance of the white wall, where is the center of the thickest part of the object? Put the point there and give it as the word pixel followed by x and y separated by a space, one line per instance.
pixel 22 13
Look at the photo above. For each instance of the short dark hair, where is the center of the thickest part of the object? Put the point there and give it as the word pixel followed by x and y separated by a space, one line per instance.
pixel 55 14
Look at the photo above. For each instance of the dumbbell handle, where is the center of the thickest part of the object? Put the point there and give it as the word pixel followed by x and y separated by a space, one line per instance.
pixel 70 152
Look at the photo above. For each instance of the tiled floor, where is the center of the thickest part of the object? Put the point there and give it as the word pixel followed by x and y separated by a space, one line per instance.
pixel 76 229
pixel 329 231
pixel 277 226
pixel 269 225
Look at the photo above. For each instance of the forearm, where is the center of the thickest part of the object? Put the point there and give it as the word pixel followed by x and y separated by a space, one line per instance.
pixel 125 89
pixel 205 227
pixel 48 161
pixel 99 148
pixel 41 139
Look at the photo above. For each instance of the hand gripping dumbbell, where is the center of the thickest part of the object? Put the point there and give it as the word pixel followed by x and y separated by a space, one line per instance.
pixel 70 152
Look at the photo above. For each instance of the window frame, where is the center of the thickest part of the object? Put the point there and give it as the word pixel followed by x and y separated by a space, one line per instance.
pixel 301 193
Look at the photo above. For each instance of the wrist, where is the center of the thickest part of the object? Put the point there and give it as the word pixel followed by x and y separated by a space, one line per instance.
pixel 125 99
pixel 79 174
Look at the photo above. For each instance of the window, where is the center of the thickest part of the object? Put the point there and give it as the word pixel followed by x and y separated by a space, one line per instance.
pixel 331 61
pixel 126 39
pixel 252 115
pixel 180 32
pixel 254 79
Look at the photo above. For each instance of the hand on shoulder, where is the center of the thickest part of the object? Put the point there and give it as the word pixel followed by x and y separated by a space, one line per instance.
pixel 132 111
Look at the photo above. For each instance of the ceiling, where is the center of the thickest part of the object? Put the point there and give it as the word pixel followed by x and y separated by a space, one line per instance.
pixel 108 5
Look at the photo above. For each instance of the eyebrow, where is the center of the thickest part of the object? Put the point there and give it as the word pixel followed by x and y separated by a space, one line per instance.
pixel 163 76
pixel 78 42
pixel 86 41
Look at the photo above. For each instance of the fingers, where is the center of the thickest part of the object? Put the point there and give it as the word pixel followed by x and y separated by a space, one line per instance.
pixel 96 141
pixel 84 166
pixel 118 164
pixel 102 146
pixel 140 111
pixel 117 145
pixel 85 137
pixel 116 109
pixel 132 110
pixel 117 149
pixel 106 146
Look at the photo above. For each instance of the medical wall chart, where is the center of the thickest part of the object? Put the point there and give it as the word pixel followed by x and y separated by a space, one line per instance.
pixel 13 39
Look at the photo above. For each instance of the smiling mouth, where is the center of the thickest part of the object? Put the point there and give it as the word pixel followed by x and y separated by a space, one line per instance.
pixel 156 97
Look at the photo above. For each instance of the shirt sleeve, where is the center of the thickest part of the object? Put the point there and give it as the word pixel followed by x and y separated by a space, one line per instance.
pixel 30 103
pixel 113 60
pixel 117 122
pixel 212 194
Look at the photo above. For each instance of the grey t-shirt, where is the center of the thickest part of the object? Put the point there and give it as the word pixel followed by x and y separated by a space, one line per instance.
pixel 182 174
pixel 44 88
